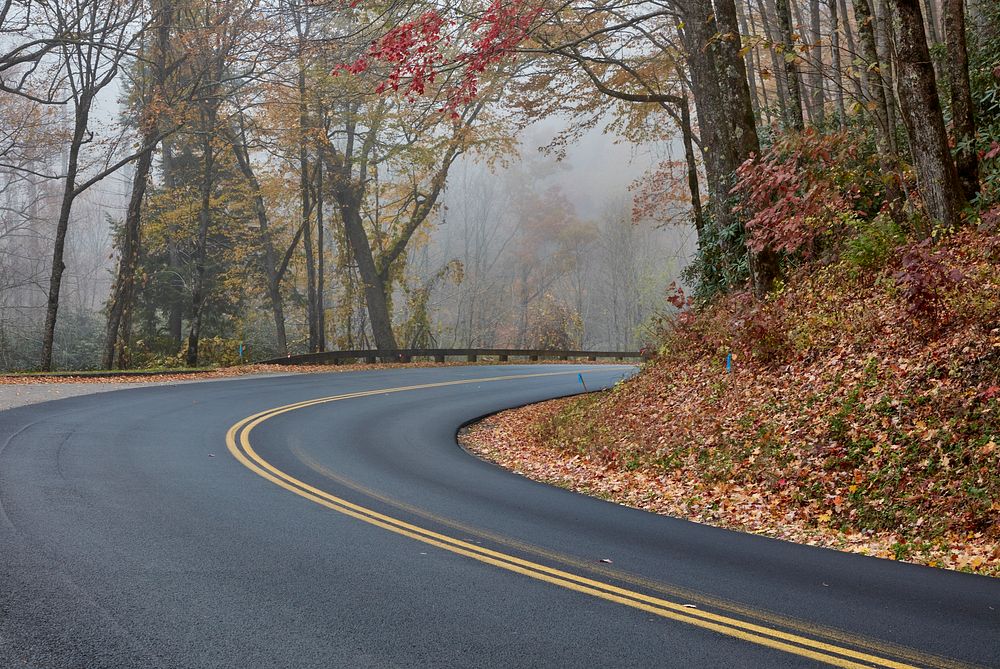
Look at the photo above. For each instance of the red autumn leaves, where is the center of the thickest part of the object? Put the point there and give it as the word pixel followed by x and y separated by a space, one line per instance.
pixel 416 53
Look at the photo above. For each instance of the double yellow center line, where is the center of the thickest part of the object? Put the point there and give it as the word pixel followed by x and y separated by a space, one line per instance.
pixel 238 443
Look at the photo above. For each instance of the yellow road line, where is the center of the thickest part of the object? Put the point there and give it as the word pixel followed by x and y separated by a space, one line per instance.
pixel 238 443
pixel 828 633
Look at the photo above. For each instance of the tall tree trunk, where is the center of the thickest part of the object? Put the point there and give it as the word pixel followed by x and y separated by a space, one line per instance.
pixel 871 75
pixel 852 48
pixel 307 204
pixel 374 286
pixel 81 120
pixel 175 301
pixel 837 74
pixel 931 22
pixel 345 274
pixel 748 62
pixel 777 66
pixel 722 96
pixel 887 73
pixel 735 89
pixel 278 315
pixel 756 64
pixel 963 121
pixel 120 305
pixel 307 245
pixel 119 321
pixel 742 127
pixel 320 262
pixel 273 272
pixel 692 169
pixel 349 193
pixel 799 26
pixel 204 223
pixel 937 176
pixel 933 31
pixel 708 100
pixel 817 112
pixel 175 307
pixel 277 309
pixel 793 116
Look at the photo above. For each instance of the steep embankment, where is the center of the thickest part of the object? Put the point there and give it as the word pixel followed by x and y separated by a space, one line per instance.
pixel 862 411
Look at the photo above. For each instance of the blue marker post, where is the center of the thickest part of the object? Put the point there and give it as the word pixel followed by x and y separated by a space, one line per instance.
pixel 241 351
pixel 580 376
pixel 729 364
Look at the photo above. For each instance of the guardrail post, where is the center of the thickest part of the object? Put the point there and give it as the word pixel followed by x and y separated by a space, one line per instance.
pixel 439 358
pixel 533 358
pixel 472 357
pixel 403 357
pixel 503 358
pixel 370 359
pixel 592 358
pixel 564 357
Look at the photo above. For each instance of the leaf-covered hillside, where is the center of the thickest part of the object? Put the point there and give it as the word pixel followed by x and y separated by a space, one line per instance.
pixel 862 410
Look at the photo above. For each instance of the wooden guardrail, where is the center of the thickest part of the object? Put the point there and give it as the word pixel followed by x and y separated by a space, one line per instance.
pixel 442 354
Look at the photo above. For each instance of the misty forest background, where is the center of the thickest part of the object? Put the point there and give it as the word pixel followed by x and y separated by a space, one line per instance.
pixel 178 176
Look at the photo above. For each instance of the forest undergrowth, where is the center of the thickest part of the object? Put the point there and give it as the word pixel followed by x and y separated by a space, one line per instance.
pixel 861 410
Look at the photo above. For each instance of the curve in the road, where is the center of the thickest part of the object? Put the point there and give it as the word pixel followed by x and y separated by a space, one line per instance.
pixel 239 445
pixel 124 542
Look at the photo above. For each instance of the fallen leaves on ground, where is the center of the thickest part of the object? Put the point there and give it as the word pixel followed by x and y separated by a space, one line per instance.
pixel 845 422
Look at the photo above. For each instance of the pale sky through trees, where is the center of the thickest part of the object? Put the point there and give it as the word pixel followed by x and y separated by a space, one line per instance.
pixel 300 175
pixel 595 174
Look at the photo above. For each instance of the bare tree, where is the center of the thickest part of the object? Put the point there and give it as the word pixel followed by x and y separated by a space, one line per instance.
pixel 154 123
pixel 87 69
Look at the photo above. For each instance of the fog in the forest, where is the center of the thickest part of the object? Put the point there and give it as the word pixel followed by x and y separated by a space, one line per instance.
pixel 549 251
pixel 538 251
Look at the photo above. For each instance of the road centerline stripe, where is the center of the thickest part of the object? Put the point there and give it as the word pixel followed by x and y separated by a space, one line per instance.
pixel 616 575
pixel 238 443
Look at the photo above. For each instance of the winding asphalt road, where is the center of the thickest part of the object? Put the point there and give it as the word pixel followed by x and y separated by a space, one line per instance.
pixel 331 520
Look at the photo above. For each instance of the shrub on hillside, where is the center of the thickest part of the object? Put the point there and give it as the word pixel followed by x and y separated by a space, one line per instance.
pixel 798 192
pixel 839 420
pixel 872 243
pixel 924 277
